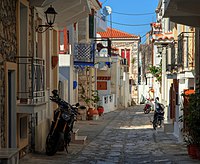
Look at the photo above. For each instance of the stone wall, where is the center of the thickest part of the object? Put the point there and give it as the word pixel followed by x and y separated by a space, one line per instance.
pixel 8 51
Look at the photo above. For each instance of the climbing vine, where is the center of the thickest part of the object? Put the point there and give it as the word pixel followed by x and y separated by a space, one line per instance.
pixel 156 71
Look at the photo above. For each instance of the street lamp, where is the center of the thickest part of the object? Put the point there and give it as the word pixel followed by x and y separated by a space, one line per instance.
pixel 160 49
pixel 50 15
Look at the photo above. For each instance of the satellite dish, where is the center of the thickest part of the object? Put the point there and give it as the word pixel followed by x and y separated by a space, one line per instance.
pixel 107 10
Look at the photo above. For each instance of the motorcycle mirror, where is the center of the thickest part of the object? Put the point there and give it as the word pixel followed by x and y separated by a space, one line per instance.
pixel 55 92
pixel 77 104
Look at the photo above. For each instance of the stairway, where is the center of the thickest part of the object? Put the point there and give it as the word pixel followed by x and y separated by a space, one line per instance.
pixel 76 139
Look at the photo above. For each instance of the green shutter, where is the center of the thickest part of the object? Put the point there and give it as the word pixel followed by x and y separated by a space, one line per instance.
pixel 91 26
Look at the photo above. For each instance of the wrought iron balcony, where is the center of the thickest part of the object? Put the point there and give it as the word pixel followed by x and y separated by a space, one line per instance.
pixel 185 58
pixel 84 54
pixel 31 80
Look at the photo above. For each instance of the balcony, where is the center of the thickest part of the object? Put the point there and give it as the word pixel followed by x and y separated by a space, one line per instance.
pixel 31 80
pixel 186 48
pixel 69 11
pixel 186 12
pixel 84 54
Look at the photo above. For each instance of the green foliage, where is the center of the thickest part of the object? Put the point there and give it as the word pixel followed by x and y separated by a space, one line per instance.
pixel 192 120
pixel 84 95
pixel 95 96
pixel 89 100
pixel 133 60
pixel 156 72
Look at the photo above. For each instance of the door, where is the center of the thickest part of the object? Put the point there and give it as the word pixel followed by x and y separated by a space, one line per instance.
pixel 174 98
pixel 10 105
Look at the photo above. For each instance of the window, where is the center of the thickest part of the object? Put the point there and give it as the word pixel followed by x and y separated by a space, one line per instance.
pixel 63 41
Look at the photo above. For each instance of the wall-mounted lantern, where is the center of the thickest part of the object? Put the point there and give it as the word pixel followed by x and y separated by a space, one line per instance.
pixel 50 15
pixel 159 49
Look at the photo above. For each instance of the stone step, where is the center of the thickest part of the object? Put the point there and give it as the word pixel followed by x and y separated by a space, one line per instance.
pixel 168 127
pixel 79 140
pixel 74 134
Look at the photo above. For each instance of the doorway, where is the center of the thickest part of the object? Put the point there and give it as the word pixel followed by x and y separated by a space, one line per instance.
pixel 10 105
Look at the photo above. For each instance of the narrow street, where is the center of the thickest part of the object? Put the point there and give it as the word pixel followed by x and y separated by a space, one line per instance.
pixel 121 137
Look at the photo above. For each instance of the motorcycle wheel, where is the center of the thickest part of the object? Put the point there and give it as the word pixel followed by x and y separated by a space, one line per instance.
pixel 155 123
pixel 52 143
pixel 148 110
pixel 160 123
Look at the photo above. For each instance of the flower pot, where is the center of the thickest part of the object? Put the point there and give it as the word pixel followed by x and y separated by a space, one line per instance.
pixel 92 112
pixel 100 110
pixel 192 151
pixel 198 152
pixel 82 113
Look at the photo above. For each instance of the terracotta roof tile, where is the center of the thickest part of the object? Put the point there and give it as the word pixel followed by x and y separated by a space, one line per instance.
pixel 113 33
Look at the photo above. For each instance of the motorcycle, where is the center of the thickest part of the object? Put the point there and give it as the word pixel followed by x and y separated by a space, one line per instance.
pixel 62 124
pixel 158 118
pixel 148 106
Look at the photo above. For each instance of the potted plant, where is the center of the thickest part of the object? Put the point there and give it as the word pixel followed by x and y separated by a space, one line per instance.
pixel 96 100
pixel 191 130
pixel 100 110
pixel 90 102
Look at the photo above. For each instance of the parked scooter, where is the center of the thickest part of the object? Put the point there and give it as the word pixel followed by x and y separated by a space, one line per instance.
pixel 62 124
pixel 148 106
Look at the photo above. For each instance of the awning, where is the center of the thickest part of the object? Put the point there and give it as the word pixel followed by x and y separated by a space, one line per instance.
pixel 183 12
pixel 69 11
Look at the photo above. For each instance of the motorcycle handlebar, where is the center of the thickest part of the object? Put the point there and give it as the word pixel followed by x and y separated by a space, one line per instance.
pixel 56 99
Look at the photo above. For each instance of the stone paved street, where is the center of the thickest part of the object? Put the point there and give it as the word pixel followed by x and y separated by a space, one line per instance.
pixel 119 137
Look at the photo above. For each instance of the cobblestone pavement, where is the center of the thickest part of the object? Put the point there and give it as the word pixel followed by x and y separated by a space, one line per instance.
pixel 120 137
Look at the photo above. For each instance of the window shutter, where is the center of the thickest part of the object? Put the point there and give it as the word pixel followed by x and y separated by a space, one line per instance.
pixel 91 26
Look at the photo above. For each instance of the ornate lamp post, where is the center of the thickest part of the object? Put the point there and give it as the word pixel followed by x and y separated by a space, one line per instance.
pixel 50 15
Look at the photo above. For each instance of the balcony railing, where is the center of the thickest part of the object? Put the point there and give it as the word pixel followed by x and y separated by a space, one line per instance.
pixel 31 80
pixel 185 57
pixel 84 54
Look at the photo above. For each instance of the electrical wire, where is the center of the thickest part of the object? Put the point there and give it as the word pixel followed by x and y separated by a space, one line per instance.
pixel 104 2
pixel 146 24
pixel 145 40
pixel 143 35
pixel 123 24
pixel 133 14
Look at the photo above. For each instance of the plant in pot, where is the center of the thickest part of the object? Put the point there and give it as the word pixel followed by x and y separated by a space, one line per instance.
pixel 191 130
pixel 96 100
pixel 89 102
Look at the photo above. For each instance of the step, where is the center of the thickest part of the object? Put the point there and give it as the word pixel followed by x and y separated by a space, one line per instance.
pixel 9 155
pixel 75 131
pixel 168 127
pixel 74 134
pixel 79 140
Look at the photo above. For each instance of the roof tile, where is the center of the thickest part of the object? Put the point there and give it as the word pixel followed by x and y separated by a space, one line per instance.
pixel 113 33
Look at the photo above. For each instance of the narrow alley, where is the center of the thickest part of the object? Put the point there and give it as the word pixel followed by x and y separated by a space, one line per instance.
pixel 120 137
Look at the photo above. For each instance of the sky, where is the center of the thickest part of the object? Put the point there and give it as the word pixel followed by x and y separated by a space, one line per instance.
pixel 130 13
